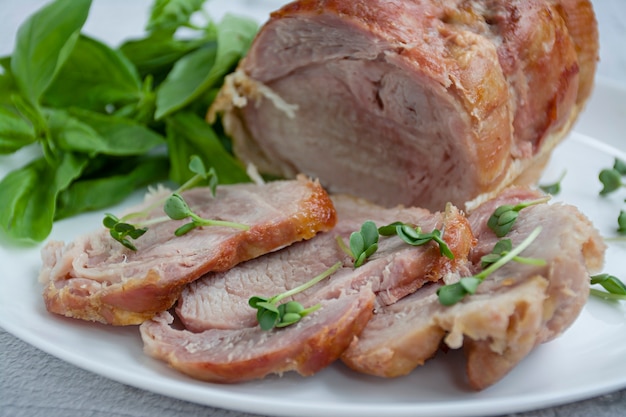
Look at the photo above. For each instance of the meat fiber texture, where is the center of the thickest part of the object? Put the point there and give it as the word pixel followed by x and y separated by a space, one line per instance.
pixel 221 340
pixel 95 278
pixel 515 309
pixel 414 102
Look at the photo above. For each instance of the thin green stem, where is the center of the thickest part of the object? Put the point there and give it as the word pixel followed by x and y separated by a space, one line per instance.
pixel 308 284
pixel 509 256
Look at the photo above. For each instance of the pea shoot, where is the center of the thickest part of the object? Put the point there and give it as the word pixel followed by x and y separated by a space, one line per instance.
pixel 414 236
pixel 503 217
pixel 453 293
pixel 621 223
pixel 615 289
pixel 174 206
pixel 270 314
pixel 362 243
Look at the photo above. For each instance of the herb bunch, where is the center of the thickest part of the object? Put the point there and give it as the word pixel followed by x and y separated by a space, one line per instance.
pixel 102 116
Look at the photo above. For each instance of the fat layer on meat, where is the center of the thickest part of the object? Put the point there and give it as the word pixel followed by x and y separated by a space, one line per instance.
pixel 95 278
pixel 222 327
pixel 515 309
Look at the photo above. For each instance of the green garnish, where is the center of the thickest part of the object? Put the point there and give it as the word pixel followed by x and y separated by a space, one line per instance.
pixel 611 178
pixel 270 314
pixel 615 289
pixel 362 243
pixel 453 293
pixel 621 223
pixel 413 236
pixel 174 206
pixel 98 113
pixel 503 217
pixel 500 249
pixel 555 187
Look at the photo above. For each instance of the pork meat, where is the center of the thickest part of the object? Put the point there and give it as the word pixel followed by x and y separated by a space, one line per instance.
pixel 515 309
pixel 95 278
pixel 414 102
pixel 221 327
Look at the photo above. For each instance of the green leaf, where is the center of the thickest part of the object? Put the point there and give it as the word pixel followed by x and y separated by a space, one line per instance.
pixel 188 135
pixel 620 166
pixel 15 132
pixel 93 77
pixel 157 53
pixel 610 179
pixel 172 14
pixel 197 72
pixel 621 222
pixel 97 193
pixel 176 208
pixel 43 43
pixel 95 133
pixel 29 194
pixel 451 294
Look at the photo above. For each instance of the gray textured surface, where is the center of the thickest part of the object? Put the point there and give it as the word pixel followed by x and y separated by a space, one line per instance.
pixel 33 383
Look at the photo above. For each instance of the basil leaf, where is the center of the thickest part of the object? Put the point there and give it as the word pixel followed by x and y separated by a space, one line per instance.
pixel 93 77
pixel 28 196
pixel 15 132
pixel 187 135
pixel 98 193
pixel 157 53
pixel 8 87
pixel 197 72
pixel 43 43
pixel 171 14
pixel 95 133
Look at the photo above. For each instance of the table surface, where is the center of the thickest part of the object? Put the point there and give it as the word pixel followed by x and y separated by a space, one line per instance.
pixel 33 383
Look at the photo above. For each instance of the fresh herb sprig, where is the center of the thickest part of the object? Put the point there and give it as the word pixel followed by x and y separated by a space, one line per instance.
pixel 414 236
pixel 453 293
pixel 174 206
pixel 363 243
pixel 270 314
pixel 501 249
pixel 611 178
pixel 615 289
pixel 504 217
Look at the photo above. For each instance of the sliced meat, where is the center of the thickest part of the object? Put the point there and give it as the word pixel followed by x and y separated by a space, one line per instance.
pixel 222 341
pixel 451 100
pixel 220 300
pixel 95 278
pixel 229 356
pixel 515 309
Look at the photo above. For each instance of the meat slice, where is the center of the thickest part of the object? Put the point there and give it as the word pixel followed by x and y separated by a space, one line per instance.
pixel 515 309
pixel 97 279
pixel 222 341
pixel 220 300
pixel 451 100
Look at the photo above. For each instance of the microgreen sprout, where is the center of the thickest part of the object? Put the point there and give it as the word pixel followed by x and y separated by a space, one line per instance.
pixel 611 178
pixel 453 293
pixel 362 243
pixel 500 249
pixel 413 236
pixel 555 187
pixel 615 289
pixel 503 217
pixel 621 223
pixel 270 314
pixel 174 206
pixel 177 209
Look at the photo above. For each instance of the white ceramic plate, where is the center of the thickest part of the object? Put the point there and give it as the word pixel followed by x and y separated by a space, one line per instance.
pixel 587 360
